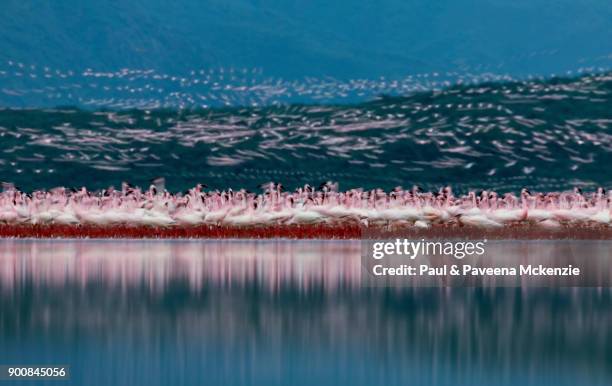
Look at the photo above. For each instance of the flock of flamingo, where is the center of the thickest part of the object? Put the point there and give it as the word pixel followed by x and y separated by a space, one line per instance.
pixel 304 213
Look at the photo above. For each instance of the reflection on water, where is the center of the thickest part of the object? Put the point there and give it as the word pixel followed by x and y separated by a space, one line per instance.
pixel 282 312
pixel 155 265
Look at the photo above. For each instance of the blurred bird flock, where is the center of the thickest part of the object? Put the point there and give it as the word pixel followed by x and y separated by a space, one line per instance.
pixel 237 121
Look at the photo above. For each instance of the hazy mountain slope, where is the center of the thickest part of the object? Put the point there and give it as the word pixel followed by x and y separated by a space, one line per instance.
pixel 296 38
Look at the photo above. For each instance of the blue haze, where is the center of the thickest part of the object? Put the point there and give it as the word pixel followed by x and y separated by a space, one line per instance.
pixel 292 39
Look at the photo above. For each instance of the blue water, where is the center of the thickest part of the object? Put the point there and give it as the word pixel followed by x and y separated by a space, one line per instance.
pixel 478 94
pixel 282 312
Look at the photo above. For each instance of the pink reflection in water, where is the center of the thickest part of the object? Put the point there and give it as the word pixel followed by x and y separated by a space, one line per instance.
pixel 125 263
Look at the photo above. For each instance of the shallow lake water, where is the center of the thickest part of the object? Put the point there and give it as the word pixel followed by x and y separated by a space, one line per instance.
pixel 283 312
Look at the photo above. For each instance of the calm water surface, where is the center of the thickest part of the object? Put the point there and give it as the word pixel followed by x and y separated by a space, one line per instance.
pixel 282 312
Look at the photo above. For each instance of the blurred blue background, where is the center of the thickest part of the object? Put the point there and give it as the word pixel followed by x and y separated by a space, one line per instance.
pixel 179 313
pixel 193 54
pixel 292 39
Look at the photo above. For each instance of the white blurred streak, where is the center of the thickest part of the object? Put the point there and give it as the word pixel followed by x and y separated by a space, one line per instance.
pixel 126 263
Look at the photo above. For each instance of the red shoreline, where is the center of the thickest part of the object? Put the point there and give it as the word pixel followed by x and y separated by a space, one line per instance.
pixel 347 231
